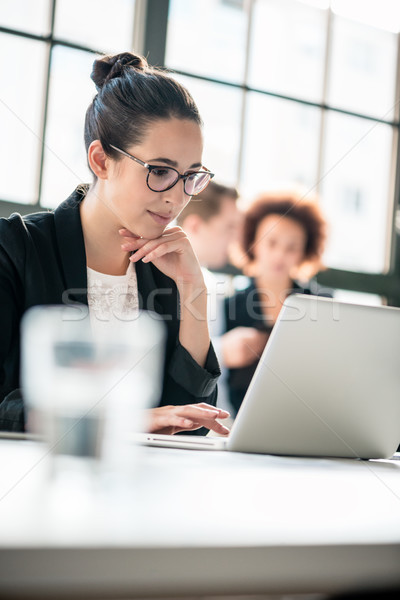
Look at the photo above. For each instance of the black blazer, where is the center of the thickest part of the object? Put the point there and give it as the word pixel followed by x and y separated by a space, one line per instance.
pixel 244 310
pixel 43 261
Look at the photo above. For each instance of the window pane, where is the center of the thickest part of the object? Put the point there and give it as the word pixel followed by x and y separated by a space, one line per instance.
pixel 71 91
pixel 22 97
pixel 26 15
pixel 363 69
pixel 208 38
pixel 355 191
pixel 384 14
pixel 287 49
pixel 98 24
pixel 221 126
pixel 281 144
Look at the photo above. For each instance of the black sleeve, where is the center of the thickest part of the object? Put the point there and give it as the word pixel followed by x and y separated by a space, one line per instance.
pixel 12 413
pixel 186 382
pixel 11 298
pixel 194 381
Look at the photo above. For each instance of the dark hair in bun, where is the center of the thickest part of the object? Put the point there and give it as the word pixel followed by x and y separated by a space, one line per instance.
pixel 130 96
pixel 110 67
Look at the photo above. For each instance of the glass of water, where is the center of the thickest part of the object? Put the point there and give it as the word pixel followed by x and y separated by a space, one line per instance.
pixel 86 391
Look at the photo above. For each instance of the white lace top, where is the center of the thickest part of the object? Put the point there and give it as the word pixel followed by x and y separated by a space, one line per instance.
pixel 112 299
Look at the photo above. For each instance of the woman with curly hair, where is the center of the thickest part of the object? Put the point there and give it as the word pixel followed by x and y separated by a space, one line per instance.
pixel 283 235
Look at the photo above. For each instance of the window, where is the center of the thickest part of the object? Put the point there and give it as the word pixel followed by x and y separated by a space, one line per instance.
pixel 21 116
pixel 287 48
pixel 208 38
pixel 25 15
pixel 98 24
pixel 315 105
pixel 71 91
pixel 280 144
pixel 48 49
pixel 355 192
pixel 291 92
pixel 219 126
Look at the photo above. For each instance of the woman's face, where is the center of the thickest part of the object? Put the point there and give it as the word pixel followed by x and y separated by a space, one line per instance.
pixel 171 142
pixel 280 244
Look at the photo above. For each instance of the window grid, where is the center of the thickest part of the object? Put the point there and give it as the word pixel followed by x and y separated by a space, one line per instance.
pixel 386 284
pixel 51 41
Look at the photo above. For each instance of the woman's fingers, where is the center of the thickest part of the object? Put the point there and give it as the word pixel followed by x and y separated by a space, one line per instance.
pixel 131 243
pixel 172 230
pixel 171 419
pixel 218 428
pixel 176 260
pixel 126 232
pixel 202 411
pixel 206 416
pixel 157 248
pixel 161 420
pixel 174 421
pixel 194 411
pixel 223 414
pixel 129 236
pixel 162 250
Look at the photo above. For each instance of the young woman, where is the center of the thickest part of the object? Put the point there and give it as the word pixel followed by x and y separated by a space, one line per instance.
pixel 144 147
pixel 282 233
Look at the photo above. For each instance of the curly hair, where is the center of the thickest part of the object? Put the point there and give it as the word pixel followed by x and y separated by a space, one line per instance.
pixel 292 206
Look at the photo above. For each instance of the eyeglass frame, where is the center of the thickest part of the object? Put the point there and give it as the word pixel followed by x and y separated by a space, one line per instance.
pixel 151 167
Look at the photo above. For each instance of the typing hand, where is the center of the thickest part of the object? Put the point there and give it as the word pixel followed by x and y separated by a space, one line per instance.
pixel 172 419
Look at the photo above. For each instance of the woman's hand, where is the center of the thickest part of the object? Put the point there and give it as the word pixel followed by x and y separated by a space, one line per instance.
pixel 242 346
pixel 171 253
pixel 172 419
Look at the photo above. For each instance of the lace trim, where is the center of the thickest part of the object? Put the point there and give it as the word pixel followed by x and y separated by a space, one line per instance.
pixel 113 297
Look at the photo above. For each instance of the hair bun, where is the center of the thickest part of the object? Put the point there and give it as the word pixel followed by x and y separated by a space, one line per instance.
pixel 109 67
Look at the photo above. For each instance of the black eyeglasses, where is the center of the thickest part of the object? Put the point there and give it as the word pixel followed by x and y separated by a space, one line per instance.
pixel 161 179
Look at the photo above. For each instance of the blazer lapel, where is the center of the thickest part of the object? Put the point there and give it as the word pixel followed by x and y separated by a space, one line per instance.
pixel 72 246
pixel 73 256
pixel 147 288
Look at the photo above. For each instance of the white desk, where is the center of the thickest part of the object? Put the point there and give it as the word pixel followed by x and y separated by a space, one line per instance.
pixel 201 523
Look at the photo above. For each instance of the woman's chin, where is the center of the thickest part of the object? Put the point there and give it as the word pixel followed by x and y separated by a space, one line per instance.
pixel 153 234
pixel 146 232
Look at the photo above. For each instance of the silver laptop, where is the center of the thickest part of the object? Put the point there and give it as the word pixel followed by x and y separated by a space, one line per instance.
pixel 327 384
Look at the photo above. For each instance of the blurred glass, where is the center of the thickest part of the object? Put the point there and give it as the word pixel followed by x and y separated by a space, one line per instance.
pixel 85 388
pixel 362 75
pixel 25 15
pixel 208 38
pixel 98 24
pixel 71 92
pixel 287 48
pixel 22 74
pixel 220 108
pixel 281 145
pixel 355 192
